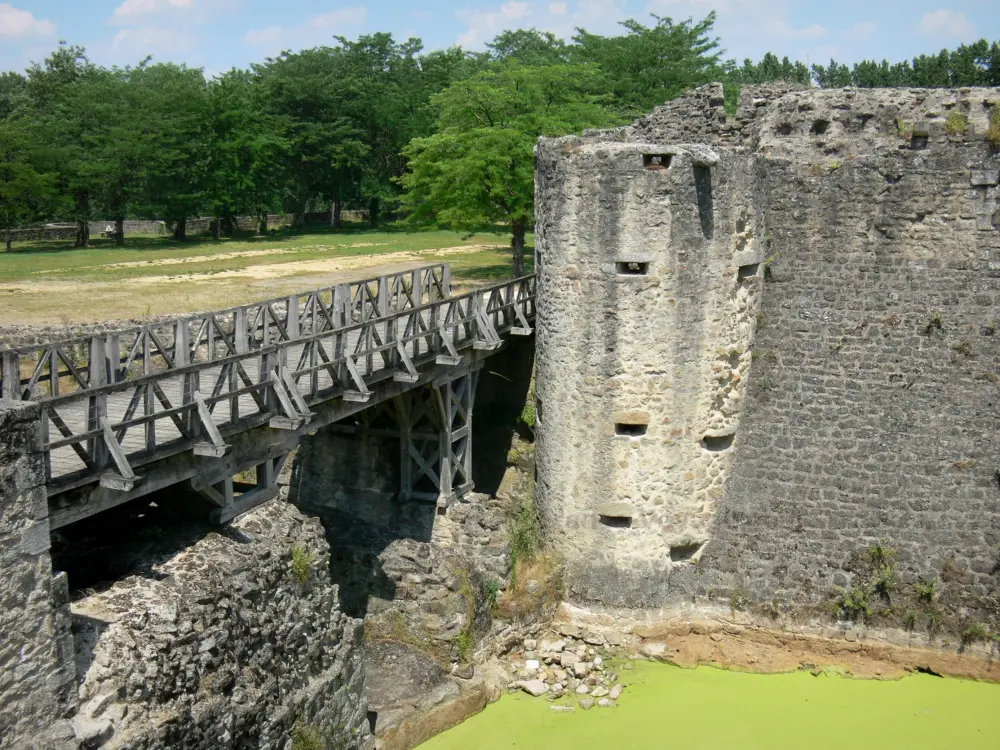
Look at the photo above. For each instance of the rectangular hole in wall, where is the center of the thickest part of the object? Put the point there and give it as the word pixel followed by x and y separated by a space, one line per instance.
pixel 717 442
pixel 631 268
pixel 616 523
pixel 703 188
pixel 630 430
pixel 748 272
pixel 656 162
pixel 684 552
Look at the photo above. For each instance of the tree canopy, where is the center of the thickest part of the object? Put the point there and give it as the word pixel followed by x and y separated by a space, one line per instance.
pixel 372 123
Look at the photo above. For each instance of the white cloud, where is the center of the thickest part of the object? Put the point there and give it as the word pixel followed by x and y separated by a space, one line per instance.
pixel 317 30
pixel 131 11
pixel 15 22
pixel 748 28
pixel 269 36
pixel 150 41
pixel 863 30
pixel 946 24
pixel 340 19
pixel 561 18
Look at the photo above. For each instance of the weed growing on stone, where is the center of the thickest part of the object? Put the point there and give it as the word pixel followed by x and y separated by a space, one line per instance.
pixel 491 592
pixel 302 562
pixel 524 532
pixel 765 355
pixel 739 600
pixel 963 347
pixel 989 328
pixel 910 620
pixel 956 123
pixel 856 605
pixel 975 633
pixel 306 737
pixel 926 590
pixel 513 457
pixel 993 132
pixel 761 321
pixel 904 128
pixel 934 323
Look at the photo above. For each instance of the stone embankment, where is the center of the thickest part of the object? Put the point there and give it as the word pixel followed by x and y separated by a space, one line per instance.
pixel 237 640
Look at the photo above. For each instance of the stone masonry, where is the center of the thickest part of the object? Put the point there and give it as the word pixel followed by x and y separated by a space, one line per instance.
pixel 36 648
pixel 764 351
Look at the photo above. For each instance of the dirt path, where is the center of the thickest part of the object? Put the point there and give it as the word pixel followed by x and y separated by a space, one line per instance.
pixel 51 301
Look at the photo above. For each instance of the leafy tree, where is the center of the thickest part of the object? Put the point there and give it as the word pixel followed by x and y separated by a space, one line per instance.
pixel 651 65
pixel 23 191
pixel 247 148
pixel 178 117
pixel 478 169
pixel 529 46
pixel 67 125
pixel 13 93
pixel 310 92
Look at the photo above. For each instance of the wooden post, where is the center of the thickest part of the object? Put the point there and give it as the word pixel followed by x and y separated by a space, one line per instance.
pixel 189 381
pixel 446 280
pixel 113 353
pixel 241 337
pixel 383 296
pixel 97 404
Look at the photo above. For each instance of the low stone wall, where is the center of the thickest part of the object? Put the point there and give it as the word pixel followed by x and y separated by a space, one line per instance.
pixel 236 641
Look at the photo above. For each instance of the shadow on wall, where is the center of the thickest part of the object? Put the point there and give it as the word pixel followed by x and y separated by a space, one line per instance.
pixel 349 478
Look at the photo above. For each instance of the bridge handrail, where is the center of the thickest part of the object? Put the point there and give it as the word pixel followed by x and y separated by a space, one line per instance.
pixel 276 319
pixel 398 342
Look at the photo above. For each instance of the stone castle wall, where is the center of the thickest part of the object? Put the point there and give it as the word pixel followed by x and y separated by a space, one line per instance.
pixel 36 650
pixel 869 414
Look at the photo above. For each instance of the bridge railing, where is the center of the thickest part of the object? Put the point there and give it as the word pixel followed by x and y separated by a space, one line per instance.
pixel 109 430
pixel 50 370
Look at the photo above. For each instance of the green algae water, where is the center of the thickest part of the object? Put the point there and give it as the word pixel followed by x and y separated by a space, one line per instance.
pixel 669 707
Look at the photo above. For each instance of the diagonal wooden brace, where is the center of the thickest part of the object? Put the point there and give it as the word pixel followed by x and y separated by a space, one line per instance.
pixel 215 446
pixel 292 419
pixel 125 480
pixel 411 375
pixel 293 391
pixel 524 329
pixel 490 339
pixel 451 358
pixel 362 394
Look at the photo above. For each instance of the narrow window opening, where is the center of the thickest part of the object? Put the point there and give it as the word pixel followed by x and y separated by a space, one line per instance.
pixel 918 142
pixel 656 162
pixel 819 127
pixel 630 430
pixel 683 552
pixel 748 272
pixel 717 442
pixel 706 209
pixel 372 720
pixel 785 128
pixel 631 268
pixel 616 523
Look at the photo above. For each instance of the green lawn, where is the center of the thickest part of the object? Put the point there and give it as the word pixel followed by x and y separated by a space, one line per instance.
pixel 52 282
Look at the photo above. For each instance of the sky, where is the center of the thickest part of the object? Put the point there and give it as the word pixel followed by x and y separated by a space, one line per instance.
pixel 217 35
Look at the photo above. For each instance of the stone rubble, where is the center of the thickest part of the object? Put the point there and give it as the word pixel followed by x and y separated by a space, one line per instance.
pixel 578 665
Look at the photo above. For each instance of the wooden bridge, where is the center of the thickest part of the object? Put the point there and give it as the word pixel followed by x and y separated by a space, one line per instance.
pixel 215 402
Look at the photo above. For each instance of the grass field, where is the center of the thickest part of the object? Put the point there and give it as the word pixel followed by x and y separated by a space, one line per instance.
pixel 53 283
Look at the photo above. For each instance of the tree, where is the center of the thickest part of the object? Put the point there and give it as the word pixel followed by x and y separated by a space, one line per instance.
pixel 23 191
pixel 478 169
pixel 311 91
pixel 67 126
pixel 529 46
pixel 651 65
pixel 247 149
pixel 179 123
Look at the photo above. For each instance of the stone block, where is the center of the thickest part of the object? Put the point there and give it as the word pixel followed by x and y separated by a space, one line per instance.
pixel 36 539
pixel 984 177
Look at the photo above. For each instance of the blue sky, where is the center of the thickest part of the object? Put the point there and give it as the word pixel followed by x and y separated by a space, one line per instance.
pixel 219 34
